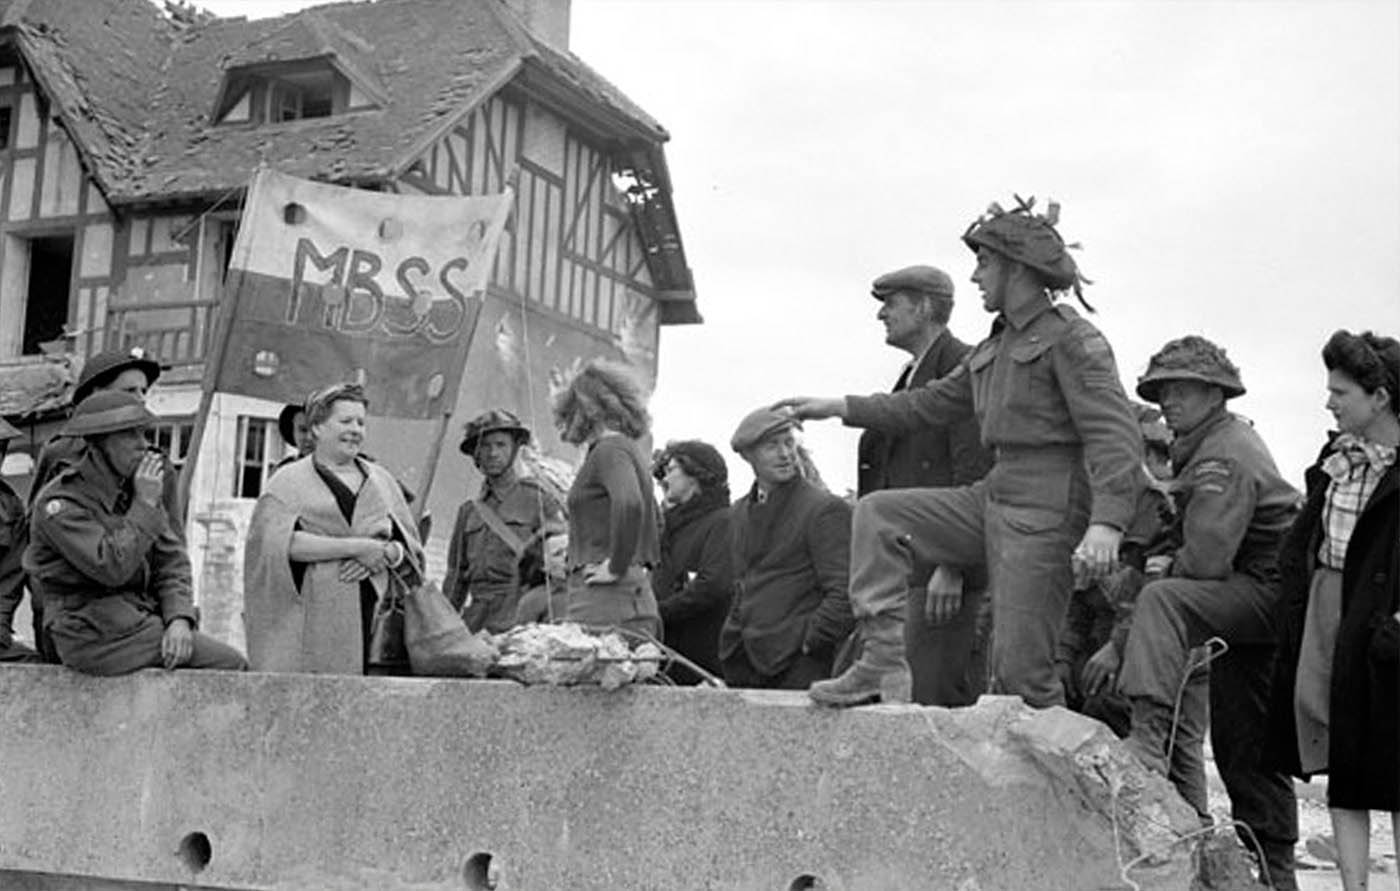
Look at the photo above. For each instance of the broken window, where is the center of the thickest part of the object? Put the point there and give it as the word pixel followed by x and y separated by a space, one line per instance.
pixel 47 299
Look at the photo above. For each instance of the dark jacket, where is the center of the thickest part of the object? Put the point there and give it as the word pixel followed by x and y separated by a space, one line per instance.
pixel 791 558
pixel 14 536
pixel 1364 748
pixel 937 456
pixel 693 582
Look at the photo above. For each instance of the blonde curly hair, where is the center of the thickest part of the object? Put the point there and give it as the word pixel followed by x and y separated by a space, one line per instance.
pixel 601 394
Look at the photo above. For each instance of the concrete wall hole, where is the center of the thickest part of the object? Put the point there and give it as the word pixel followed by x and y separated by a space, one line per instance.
pixel 481 872
pixel 196 851
pixel 807 882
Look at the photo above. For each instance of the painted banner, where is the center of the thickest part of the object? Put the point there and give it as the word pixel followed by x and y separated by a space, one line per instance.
pixel 333 284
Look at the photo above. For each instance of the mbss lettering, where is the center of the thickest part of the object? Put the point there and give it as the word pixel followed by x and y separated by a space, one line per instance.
pixel 341 290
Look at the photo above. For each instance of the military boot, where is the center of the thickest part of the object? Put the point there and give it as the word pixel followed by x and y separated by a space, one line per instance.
pixel 879 675
pixel 1151 729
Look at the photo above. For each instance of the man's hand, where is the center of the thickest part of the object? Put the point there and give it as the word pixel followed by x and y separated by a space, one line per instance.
pixel 812 408
pixel 943 596
pixel 1101 671
pixel 1157 566
pixel 148 483
pixel 1098 551
pixel 177 645
pixel 598 574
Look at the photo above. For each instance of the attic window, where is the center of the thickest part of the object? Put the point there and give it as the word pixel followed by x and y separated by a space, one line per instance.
pixel 280 92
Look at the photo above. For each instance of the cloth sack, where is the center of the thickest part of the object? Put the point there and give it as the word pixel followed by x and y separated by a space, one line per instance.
pixel 438 641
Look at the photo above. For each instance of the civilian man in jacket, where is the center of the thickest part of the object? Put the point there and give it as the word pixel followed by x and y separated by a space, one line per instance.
pixel 692 583
pixel 790 548
pixel 1233 508
pixel 947 656
pixel 116 577
pixel 1045 392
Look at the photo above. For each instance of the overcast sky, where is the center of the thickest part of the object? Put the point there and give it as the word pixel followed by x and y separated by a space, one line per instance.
pixel 1232 169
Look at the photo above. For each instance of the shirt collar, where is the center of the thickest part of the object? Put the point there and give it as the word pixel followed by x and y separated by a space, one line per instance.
pixel 1350 451
pixel 1021 316
pixel 1184 446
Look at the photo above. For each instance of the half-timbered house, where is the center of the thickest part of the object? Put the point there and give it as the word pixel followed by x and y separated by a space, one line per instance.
pixel 127 138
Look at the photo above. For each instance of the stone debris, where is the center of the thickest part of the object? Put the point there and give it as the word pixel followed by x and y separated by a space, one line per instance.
pixel 568 655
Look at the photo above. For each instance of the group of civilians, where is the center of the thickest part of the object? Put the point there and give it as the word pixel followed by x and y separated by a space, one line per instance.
pixel 1021 527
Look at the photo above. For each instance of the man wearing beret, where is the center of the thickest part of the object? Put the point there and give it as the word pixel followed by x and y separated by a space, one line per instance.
pixel 790 547
pixel 944 640
pixel 1045 392
pixel 116 577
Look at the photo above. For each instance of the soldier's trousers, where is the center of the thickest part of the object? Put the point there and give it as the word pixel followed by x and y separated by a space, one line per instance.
pixel 1023 521
pixel 1173 615
pixel 112 636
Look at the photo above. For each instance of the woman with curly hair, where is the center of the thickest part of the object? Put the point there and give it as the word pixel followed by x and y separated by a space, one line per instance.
pixel 612 517
pixel 1337 685
pixel 693 582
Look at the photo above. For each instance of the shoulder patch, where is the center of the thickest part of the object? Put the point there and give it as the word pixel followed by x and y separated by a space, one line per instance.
pixel 1212 467
pixel 53 506
pixel 1095 344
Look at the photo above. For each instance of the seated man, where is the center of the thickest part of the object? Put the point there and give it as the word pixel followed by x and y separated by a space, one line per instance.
pixel 14 533
pixel 1234 509
pixel 494 553
pixel 115 575
pixel 1090 651
pixel 790 546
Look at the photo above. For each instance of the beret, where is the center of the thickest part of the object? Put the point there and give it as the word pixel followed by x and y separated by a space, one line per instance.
pixel 758 425
pixel 920 279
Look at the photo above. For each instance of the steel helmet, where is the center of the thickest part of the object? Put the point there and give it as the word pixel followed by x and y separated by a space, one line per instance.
pixel 1028 238
pixel 109 411
pixel 103 367
pixel 497 420
pixel 1190 358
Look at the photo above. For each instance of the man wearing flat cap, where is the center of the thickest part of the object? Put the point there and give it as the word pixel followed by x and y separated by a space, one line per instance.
pixel 790 549
pixel 1045 392
pixel 1221 581
pixel 496 548
pixel 945 643
pixel 115 576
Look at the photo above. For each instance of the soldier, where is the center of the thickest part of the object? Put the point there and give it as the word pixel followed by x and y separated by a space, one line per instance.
pixel 14 535
pixel 495 550
pixel 130 370
pixel 115 575
pixel 1045 390
pixel 1234 509
pixel 946 654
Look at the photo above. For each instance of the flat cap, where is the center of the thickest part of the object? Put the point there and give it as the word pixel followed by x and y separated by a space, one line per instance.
pixel 758 425
pixel 919 279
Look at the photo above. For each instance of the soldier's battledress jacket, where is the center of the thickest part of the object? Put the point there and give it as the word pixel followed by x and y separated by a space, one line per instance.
pixel 14 536
pixel 478 560
pixel 1045 378
pixel 1233 505
pixel 93 544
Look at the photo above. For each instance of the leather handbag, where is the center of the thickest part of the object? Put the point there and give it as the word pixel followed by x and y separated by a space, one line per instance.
pixel 388 649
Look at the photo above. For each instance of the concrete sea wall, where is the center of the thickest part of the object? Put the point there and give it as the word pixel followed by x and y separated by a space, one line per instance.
pixel 214 780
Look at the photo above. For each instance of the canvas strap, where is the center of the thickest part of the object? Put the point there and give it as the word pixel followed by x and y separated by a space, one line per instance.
pixel 498 526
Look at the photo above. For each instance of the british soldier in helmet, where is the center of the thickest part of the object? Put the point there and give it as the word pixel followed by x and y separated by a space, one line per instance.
pixel 1044 389
pixel 115 576
pixel 495 551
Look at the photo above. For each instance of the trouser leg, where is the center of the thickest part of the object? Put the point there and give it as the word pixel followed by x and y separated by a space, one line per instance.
pixel 1261 799
pixel 211 653
pixel 948 661
pixel 891 532
pixel 1028 553
pixel 1186 756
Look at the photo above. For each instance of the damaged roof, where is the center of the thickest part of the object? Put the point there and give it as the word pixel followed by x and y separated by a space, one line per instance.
pixel 137 90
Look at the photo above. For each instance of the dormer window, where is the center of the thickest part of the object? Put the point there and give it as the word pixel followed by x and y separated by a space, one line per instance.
pixel 279 92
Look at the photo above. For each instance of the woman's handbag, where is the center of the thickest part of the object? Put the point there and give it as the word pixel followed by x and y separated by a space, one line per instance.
pixel 438 641
pixel 388 651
